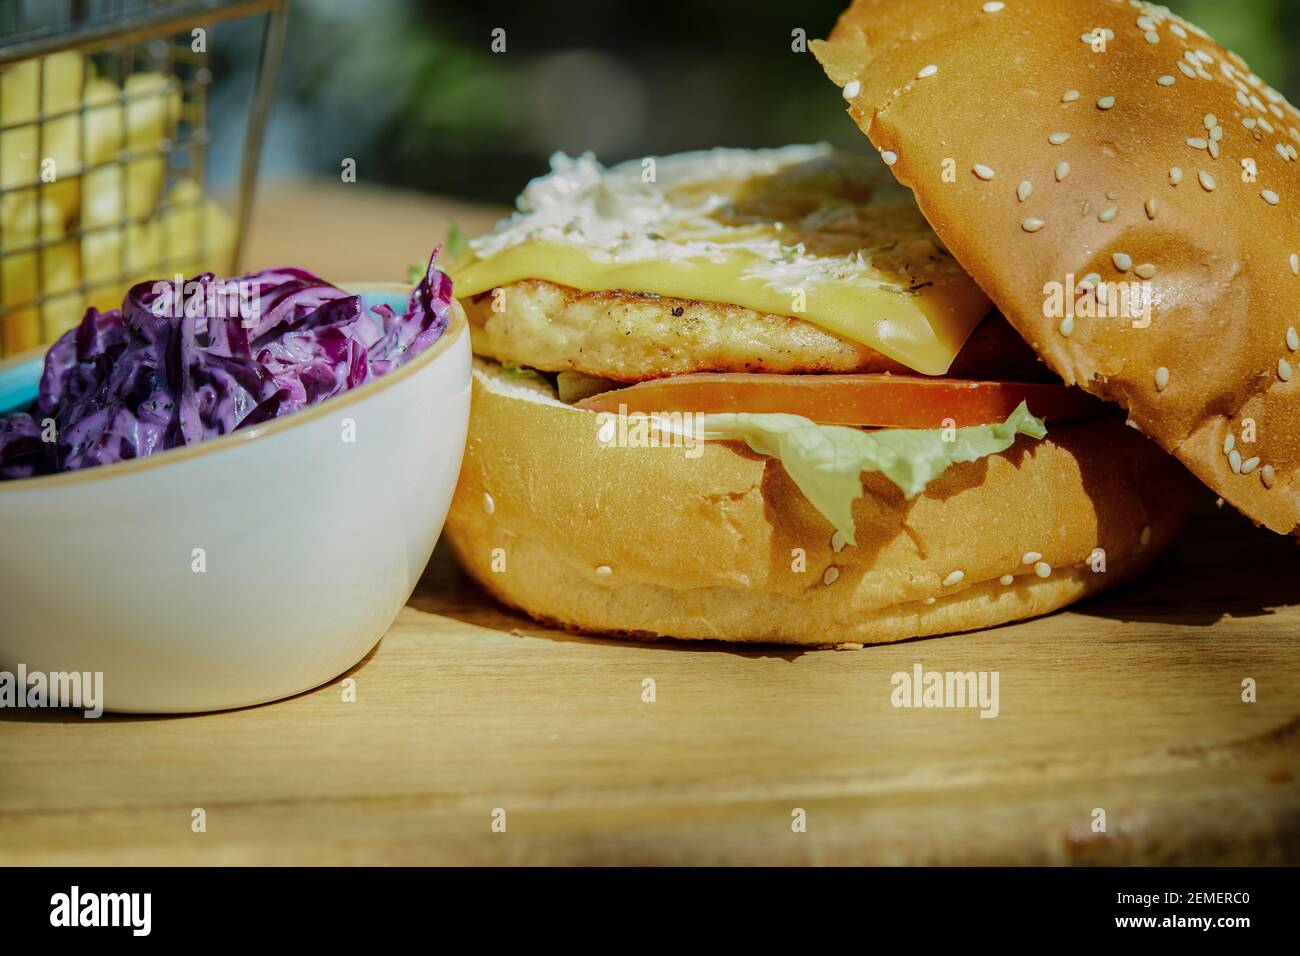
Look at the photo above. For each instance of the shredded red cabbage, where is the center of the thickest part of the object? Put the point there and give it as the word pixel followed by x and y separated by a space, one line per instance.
pixel 130 383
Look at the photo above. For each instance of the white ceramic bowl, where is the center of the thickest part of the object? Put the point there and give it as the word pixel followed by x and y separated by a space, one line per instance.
pixel 310 545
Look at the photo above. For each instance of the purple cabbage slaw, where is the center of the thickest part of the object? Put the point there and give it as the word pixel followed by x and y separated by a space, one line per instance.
pixel 133 382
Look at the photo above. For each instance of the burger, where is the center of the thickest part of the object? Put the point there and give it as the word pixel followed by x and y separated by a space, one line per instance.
pixel 802 396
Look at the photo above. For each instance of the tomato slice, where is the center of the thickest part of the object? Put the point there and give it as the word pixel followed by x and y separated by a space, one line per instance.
pixel 884 401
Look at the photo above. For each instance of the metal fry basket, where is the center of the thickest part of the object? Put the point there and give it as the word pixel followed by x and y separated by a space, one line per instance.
pixel 103 147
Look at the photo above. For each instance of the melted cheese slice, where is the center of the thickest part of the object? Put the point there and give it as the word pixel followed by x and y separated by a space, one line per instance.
pixel 803 231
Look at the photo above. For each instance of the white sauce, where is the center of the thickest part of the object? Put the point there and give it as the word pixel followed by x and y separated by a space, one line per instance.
pixel 617 217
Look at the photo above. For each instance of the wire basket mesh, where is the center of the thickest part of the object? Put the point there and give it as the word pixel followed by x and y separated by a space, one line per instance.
pixel 103 153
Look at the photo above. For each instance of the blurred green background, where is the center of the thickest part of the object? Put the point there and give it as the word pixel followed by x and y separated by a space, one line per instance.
pixel 412 91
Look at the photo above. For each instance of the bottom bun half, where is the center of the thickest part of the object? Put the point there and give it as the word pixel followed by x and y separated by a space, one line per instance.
pixel 717 543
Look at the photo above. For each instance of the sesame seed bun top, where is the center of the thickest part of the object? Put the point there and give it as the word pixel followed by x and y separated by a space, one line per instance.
pixel 1112 142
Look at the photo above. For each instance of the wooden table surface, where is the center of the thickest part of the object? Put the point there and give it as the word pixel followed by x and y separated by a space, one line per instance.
pixel 466 714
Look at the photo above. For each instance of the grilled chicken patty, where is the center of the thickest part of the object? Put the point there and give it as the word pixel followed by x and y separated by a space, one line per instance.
pixel 631 337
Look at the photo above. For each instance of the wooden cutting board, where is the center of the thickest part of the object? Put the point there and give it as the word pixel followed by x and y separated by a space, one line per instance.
pixel 1130 703
pixel 467 714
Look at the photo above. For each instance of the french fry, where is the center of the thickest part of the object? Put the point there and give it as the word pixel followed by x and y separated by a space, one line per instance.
pixel 113 259
pixel 61 313
pixel 196 231
pixel 60 141
pixel 87 187
pixel 26 218
pixel 102 125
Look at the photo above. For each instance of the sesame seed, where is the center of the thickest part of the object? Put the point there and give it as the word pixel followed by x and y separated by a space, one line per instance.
pixel 1270 197
pixel 889 156
pixel 1187 70
pixel 1146 23
pixel 928 601
pixel 1229 440
pixel 1145 537
pixel 926 71
pixel 1284 370
pixel 994 7
pixel 1207 181
pixel 1266 126
pixel 1043 569
pixel 851 89
pixel 837 542
pixel 1234 461
pixel 1123 261
pixel 1281 151
pixel 1070 96
pixel 1109 213
pixel 831 576
pixel 1175 175
pixel 1062 170
pixel 1152 205
pixel 1024 189
pixel 1166 80
pixel 1032 224
pixel 1248 122
pixel 1029 557
pixel 1243 99
pixel 1196 142
pixel 1292 339
pixel 1267 476
pixel 1162 378
pixel 1216 134
pixel 1106 102
pixel 1214 149
pixel 955 577
pixel 1146 270
pixel 1211 121
pixel 1204 57
pixel 983 172
pixel 1058 139
pixel 489 505
pixel 1249 465
pixel 1295 263
pixel 1152 36
pixel 604 570
pixel 1178 31
pixel 1067 326
pixel 1006 580
pixel 1092 278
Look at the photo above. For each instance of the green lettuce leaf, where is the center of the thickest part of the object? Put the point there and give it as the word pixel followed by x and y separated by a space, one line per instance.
pixel 519 371
pixel 826 462
pixel 456 242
